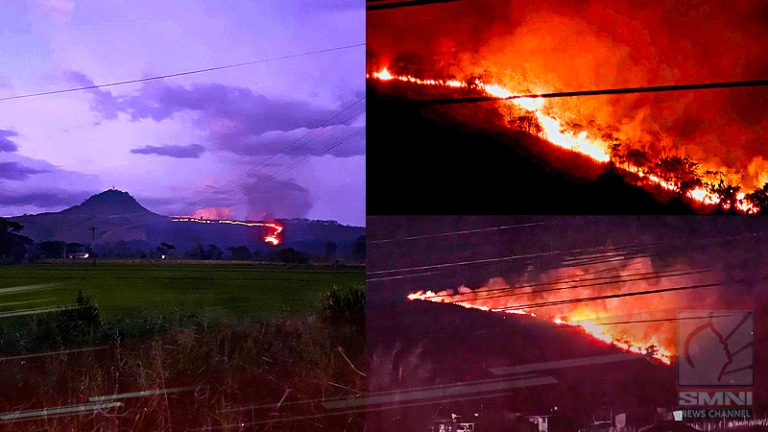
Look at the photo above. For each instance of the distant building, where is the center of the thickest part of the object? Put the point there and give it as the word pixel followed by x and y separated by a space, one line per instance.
pixel 450 425
pixel 541 421
pixel 606 421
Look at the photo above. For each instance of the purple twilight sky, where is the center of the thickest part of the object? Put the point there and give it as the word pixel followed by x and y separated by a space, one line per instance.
pixel 216 139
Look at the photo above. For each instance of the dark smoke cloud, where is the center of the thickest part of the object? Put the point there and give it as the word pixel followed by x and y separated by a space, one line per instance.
pixel 256 197
pixel 574 45
pixel 268 197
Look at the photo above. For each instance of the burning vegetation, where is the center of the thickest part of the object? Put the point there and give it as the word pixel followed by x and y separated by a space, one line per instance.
pixel 701 145
pixel 272 237
pixel 632 307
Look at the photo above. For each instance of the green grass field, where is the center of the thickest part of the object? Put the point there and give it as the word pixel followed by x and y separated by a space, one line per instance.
pixel 240 291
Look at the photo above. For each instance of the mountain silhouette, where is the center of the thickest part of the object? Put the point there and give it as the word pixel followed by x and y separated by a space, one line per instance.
pixel 119 217
pixel 110 202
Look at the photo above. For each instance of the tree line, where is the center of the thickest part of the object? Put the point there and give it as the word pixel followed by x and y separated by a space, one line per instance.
pixel 17 248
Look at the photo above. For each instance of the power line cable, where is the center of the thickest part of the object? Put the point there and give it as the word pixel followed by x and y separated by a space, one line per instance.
pixel 379 5
pixel 628 247
pixel 510 290
pixel 456 233
pixel 605 297
pixel 179 74
pixel 338 143
pixel 612 91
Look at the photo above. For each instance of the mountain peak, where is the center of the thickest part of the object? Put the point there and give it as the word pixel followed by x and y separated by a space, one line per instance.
pixel 111 201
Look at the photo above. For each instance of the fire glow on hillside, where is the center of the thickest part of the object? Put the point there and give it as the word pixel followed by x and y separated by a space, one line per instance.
pixel 603 302
pixel 543 121
pixel 272 237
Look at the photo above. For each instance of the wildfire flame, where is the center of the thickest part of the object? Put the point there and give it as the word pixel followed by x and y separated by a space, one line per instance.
pixel 556 132
pixel 272 237
pixel 644 327
pixel 589 326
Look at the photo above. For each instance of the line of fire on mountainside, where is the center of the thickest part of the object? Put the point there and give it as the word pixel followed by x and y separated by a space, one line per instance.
pixel 581 164
pixel 112 225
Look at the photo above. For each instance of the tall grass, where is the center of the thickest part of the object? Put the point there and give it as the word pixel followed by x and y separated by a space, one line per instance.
pixel 228 364
pixel 344 304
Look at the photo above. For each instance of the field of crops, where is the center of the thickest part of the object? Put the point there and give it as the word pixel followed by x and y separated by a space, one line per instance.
pixel 179 346
pixel 239 291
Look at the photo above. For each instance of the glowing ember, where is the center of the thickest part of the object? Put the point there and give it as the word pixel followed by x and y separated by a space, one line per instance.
pixel 556 132
pixel 272 238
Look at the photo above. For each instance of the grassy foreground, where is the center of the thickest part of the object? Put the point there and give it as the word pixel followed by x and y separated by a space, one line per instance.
pixel 283 342
pixel 238 291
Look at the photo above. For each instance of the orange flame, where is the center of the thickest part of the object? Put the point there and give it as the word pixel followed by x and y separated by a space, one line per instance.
pixel 591 327
pixel 272 238
pixel 554 131
pixel 551 297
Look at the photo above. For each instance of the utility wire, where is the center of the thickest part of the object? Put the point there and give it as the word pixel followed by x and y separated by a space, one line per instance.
pixel 606 297
pixel 646 321
pixel 530 256
pixel 510 291
pixel 380 5
pixel 456 233
pixel 272 177
pixel 613 91
pixel 179 74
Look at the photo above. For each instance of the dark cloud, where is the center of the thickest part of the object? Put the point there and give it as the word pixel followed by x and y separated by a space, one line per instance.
pixel 237 119
pixel 6 145
pixel 17 171
pixel 103 101
pixel 192 151
pixel 240 108
pixel 49 198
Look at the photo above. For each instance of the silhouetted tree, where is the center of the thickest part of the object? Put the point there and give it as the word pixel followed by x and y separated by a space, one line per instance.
pixel 677 169
pixel 330 250
pixel 209 252
pixel 12 244
pixel 291 256
pixel 213 252
pixel 617 149
pixel 240 253
pixel 75 248
pixel 759 198
pixel 638 158
pixel 53 249
pixel 358 251
pixel 165 248
pixel 81 321
pixel 727 194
